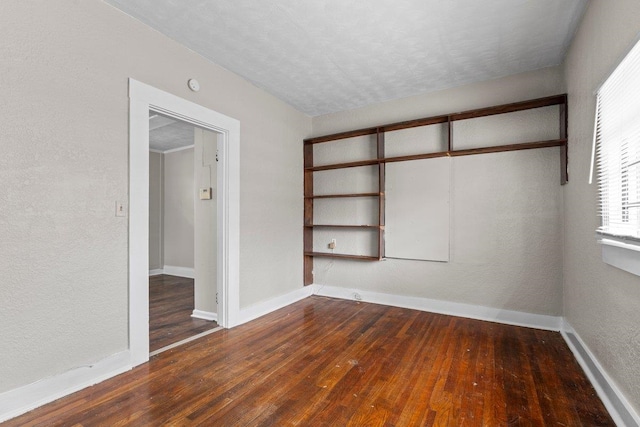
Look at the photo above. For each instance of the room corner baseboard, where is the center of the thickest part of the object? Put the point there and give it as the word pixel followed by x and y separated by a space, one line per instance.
pixel 619 408
pixel 156 272
pixel 509 317
pixel 260 309
pixel 26 398
pixel 171 270
pixel 205 315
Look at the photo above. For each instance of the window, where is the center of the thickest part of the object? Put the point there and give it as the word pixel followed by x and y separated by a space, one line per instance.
pixel 617 141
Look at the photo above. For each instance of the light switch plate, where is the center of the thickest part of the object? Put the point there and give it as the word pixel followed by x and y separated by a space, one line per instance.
pixel 121 209
pixel 205 193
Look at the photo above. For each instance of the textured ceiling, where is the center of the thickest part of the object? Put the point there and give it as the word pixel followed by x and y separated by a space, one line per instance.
pixel 167 134
pixel 333 55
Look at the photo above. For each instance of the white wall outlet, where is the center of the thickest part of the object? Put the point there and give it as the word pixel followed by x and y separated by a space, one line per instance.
pixel 205 193
pixel 121 209
pixel 332 245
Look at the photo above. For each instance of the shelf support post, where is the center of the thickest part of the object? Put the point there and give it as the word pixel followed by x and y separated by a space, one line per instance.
pixel 564 155
pixel 449 135
pixel 308 214
pixel 381 190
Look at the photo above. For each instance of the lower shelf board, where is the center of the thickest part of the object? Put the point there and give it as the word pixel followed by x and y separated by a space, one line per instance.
pixel 343 256
pixel 355 226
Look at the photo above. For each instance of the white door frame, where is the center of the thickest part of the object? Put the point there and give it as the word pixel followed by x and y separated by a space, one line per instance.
pixel 142 99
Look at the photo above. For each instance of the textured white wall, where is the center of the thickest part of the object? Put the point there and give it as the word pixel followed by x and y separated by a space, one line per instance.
pixel 506 208
pixel 601 302
pixel 179 193
pixel 206 217
pixel 155 210
pixel 64 134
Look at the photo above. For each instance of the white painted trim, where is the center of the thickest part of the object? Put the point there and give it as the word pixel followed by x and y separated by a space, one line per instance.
pixel 260 309
pixel 205 315
pixel 621 254
pixel 26 398
pixel 630 245
pixel 142 99
pixel 156 272
pixel 174 150
pixel 509 317
pixel 618 406
pixel 138 226
pixel 156 151
pixel 185 341
pixel 173 270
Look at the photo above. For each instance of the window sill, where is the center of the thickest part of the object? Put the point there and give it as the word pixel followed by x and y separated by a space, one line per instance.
pixel 622 254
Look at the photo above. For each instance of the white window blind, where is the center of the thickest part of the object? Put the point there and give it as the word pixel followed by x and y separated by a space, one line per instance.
pixel 617 136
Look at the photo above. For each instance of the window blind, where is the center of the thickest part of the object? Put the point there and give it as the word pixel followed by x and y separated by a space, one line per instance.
pixel 617 136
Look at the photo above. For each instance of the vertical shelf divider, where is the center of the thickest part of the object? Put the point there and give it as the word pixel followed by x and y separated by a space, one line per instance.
pixel 381 190
pixel 308 214
pixel 449 134
pixel 564 159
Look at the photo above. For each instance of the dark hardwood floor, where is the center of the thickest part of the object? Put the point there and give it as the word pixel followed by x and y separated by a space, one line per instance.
pixel 326 362
pixel 170 308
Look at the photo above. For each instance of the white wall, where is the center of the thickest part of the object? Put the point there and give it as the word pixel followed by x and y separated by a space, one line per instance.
pixel 506 208
pixel 602 303
pixel 179 185
pixel 206 217
pixel 155 211
pixel 64 133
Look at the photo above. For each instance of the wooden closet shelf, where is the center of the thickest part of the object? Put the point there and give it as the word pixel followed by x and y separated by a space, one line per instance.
pixel 512 147
pixel 373 227
pixel 453 153
pixel 370 162
pixel 337 196
pixel 344 256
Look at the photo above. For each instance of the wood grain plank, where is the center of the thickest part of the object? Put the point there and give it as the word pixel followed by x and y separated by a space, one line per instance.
pixel 322 361
pixel 338 196
pixel 171 303
pixel 343 256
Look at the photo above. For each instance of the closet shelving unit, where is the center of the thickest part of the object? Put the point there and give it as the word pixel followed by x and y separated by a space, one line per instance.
pixel 381 160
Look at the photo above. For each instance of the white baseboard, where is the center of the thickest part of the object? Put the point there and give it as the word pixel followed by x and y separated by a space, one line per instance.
pixel 26 398
pixel 171 270
pixel 509 317
pixel 260 309
pixel 618 406
pixel 156 272
pixel 205 315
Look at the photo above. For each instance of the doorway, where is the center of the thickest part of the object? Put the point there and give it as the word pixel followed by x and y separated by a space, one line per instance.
pixel 144 98
pixel 183 190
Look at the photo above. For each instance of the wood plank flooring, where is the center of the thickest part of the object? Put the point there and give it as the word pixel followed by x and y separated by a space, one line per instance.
pixel 326 362
pixel 170 307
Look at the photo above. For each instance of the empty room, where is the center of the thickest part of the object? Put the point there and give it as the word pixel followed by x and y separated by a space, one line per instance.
pixel 368 213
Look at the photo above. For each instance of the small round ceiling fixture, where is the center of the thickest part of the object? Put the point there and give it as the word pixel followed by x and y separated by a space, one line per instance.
pixel 193 85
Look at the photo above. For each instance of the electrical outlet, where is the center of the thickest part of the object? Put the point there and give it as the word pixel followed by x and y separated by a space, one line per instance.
pixel 332 245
